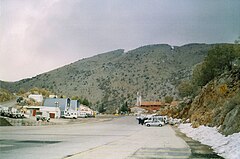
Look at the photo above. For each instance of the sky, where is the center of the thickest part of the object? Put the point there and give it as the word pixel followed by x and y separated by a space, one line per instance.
pixel 39 36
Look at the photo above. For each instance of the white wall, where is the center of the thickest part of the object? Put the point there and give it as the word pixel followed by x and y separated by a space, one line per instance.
pixel 36 97
pixel 54 110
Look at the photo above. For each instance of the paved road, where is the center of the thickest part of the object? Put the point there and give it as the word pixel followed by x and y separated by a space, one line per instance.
pixel 10 103
pixel 116 139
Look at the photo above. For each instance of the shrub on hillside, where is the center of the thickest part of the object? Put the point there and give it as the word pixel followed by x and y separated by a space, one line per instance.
pixel 5 95
pixel 101 109
pixel 168 99
pixel 83 101
pixel 42 91
pixel 185 88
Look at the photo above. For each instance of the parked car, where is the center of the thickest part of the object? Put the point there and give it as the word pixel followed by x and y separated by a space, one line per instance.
pixel 70 114
pixel 5 111
pixel 15 113
pixel 90 115
pixel 1 110
pixel 42 116
pixel 155 123
pixel 11 112
pixel 39 117
pixel 82 115
pixel 157 117
pixel 174 121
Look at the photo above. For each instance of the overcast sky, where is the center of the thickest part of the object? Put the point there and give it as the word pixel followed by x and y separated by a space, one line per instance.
pixel 37 36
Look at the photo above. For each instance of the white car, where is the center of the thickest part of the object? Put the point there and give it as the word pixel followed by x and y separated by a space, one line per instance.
pixel 82 115
pixel 174 121
pixel 157 117
pixel 155 123
pixel 70 114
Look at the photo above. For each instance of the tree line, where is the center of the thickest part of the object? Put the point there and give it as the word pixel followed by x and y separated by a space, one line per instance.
pixel 221 58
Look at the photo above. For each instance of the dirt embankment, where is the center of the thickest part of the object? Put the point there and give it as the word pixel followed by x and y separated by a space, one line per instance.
pixel 218 104
pixel 4 122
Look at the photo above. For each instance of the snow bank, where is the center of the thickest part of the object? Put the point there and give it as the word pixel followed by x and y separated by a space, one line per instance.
pixel 227 147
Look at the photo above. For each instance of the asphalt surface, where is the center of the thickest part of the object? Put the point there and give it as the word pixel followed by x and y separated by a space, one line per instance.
pixel 10 103
pixel 114 139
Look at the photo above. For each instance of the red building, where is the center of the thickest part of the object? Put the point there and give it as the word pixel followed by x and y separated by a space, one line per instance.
pixel 154 106
pixel 150 106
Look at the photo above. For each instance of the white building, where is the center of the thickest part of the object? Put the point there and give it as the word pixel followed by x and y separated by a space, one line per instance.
pixel 139 99
pixel 53 96
pixel 52 112
pixel 85 110
pixel 36 97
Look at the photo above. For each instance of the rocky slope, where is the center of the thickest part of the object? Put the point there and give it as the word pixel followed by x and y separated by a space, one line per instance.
pixel 115 77
pixel 218 104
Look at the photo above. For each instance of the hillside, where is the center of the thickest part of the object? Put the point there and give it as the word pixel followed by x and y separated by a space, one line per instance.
pixel 5 95
pixel 217 103
pixel 115 77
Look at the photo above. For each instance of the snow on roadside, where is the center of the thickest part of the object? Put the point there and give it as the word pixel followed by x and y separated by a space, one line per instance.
pixel 226 146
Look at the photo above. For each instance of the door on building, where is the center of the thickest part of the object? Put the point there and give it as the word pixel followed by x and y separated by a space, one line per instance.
pixel 34 112
pixel 52 115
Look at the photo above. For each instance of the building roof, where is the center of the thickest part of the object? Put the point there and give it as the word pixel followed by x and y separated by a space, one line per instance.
pixel 60 102
pixel 36 97
pixel 33 107
pixel 54 102
pixel 53 109
pixel 152 103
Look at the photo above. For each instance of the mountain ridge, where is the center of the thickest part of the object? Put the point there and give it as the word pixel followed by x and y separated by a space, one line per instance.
pixel 115 77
